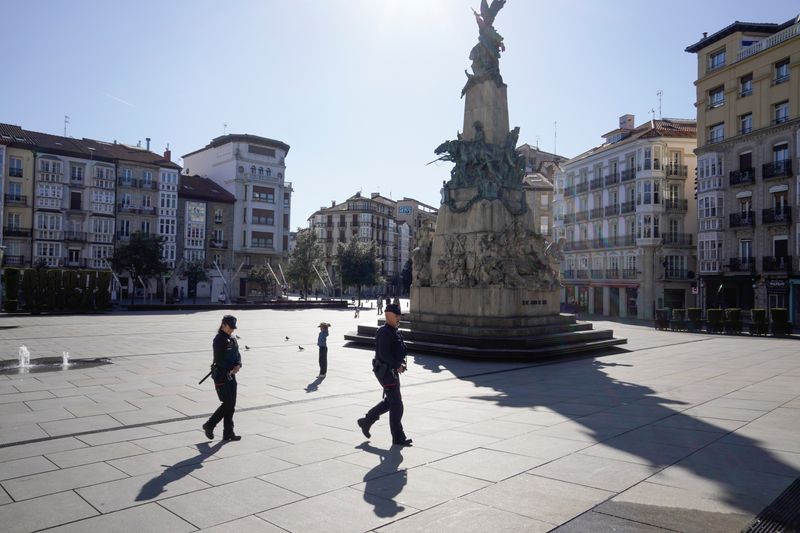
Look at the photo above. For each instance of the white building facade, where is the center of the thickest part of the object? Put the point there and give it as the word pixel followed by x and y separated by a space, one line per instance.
pixel 253 169
pixel 627 227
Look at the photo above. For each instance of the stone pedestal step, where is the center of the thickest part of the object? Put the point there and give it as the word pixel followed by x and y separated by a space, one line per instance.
pixel 524 349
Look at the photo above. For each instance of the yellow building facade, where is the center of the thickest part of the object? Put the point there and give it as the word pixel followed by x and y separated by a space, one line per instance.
pixel 748 98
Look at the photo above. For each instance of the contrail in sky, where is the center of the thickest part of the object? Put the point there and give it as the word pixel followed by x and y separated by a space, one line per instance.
pixel 120 100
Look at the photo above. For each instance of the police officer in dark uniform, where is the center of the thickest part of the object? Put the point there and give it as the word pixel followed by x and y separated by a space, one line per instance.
pixel 388 364
pixel 227 362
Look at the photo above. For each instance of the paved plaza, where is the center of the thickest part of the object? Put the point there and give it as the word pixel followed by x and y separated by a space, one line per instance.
pixel 677 432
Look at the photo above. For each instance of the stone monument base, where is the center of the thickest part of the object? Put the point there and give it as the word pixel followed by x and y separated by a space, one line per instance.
pixel 492 311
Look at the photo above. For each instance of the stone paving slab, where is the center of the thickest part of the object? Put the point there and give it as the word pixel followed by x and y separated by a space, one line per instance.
pixel 44 512
pixel 150 518
pixel 133 491
pixel 697 429
pixel 461 516
pixel 341 511
pixel 23 488
pixel 547 500
pixel 206 508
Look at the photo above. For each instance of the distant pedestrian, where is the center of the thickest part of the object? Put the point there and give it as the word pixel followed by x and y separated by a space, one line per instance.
pixel 322 343
pixel 227 363
pixel 379 304
pixel 388 364
pixel 396 301
pixel 358 311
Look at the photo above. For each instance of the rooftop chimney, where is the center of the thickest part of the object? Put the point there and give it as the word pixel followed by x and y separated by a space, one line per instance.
pixel 168 154
pixel 148 143
pixel 705 34
pixel 626 122
pixel 333 203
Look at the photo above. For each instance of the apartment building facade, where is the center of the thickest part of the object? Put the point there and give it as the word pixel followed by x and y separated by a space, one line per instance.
pixel 17 218
pixel 68 202
pixel 748 181
pixel 252 169
pixel 205 230
pixel 374 218
pixel 624 222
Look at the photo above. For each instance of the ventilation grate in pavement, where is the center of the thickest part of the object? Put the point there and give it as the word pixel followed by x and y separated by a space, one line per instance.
pixel 782 515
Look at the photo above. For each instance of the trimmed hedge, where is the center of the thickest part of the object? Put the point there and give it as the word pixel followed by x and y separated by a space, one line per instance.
pixel 694 320
pixel 733 320
pixel 715 320
pixel 55 290
pixel 12 285
pixel 662 319
pixel 780 322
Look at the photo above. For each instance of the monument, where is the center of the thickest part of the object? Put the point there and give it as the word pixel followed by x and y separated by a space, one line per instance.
pixel 485 283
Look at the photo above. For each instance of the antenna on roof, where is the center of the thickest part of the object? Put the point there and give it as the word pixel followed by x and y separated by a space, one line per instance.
pixel 225 128
pixel 653 112
pixel 659 93
pixel 66 121
pixel 537 142
pixel 555 137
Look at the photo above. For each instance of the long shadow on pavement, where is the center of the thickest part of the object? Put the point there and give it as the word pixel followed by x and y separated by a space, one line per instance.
pixel 381 496
pixel 157 485
pixel 620 415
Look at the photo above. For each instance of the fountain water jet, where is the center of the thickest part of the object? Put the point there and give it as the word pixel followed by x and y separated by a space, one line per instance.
pixel 24 357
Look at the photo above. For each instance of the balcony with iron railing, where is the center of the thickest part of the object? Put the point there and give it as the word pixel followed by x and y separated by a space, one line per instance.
pixel 743 176
pixel 218 244
pixel 777 215
pixel 628 174
pixel 596 212
pixel 596 183
pixel 48 235
pixel 627 207
pixel 768 42
pixel 676 171
pixel 15 172
pixel 582 216
pixel 612 178
pixel 676 205
pixel 582 187
pixel 583 274
pixel 14 260
pixel 76 236
pixel 777 169
pixel 741 219
pixel 776 264
pixel 16 231
pixel 597 273
pixel 569 274
pixel 76 263
pixel 569 218
pixel 678 239
pixel 76 182
pixel 16 199
pixel 676 274
pixel 629 273
pixel 612 273
pixel 742 264
pixel 573 246
pixel 569 191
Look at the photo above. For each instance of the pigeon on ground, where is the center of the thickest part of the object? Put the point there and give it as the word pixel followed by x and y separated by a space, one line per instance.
pixel 287 337
pixel 246 347
pixel 301 348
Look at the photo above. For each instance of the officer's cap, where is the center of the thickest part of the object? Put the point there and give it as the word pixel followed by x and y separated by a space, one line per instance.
pixel 393 308
pixel 230 321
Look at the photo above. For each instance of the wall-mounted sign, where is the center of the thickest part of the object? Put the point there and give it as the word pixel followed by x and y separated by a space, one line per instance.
pixel 404 209
pixel 777 285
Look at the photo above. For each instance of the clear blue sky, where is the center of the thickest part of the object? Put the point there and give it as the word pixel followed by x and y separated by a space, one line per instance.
pixel 362 90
